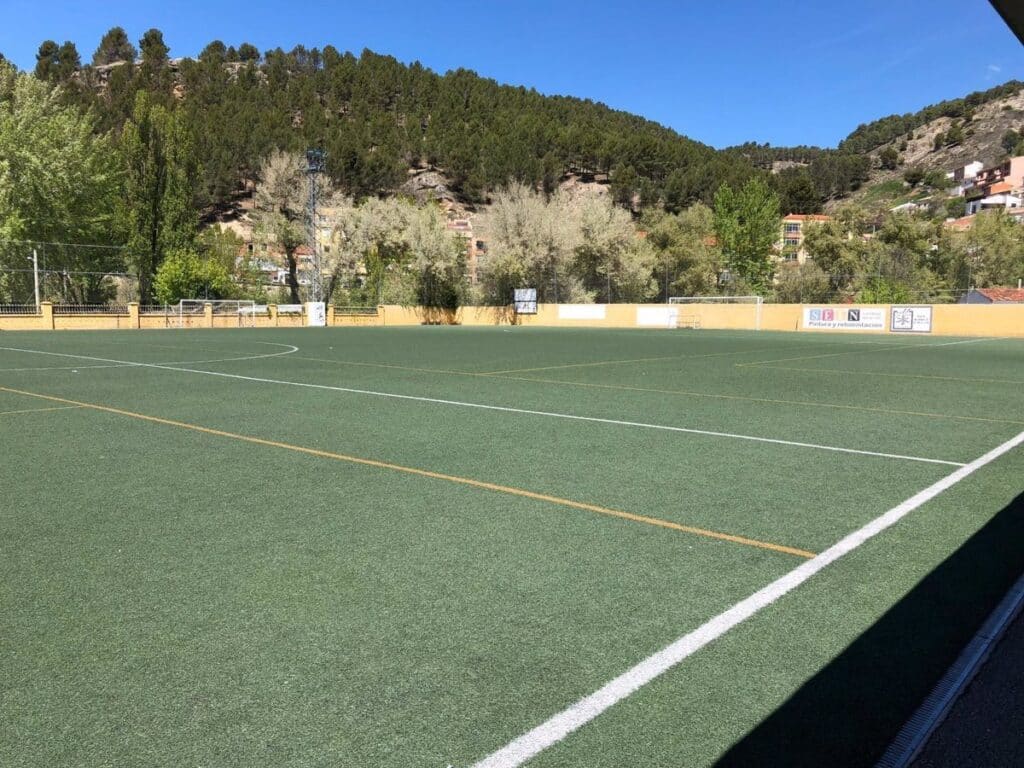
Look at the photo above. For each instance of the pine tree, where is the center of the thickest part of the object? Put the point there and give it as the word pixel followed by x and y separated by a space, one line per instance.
pixel 114 47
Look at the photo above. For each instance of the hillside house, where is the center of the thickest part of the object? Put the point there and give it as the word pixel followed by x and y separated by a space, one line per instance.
pixel 993 296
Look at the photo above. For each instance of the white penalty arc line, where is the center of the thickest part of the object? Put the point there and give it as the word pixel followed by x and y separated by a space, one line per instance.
pixel 118 364
pixel 559 726
pixel 507 409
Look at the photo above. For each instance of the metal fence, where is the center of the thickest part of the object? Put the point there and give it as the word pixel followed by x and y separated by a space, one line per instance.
pixel 364 311
pixel 160 310
pixel 18 309
pixel 90 309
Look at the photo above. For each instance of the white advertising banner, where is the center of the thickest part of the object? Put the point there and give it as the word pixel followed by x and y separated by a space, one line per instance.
pixel 316 314
pixel 581 311
pixel 660 317
pixel 911 319
pixel 844 318
pixel 525 301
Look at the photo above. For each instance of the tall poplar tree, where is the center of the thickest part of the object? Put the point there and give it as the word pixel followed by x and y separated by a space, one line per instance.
pixel 157 213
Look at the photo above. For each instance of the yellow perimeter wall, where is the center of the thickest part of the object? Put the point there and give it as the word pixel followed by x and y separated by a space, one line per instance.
pixel 947 319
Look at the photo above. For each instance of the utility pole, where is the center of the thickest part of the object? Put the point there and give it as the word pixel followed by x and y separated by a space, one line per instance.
pixel 35 275
pixel 314 167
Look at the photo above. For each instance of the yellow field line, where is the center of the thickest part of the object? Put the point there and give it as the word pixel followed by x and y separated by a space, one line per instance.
pixel 40 410
pixel 967 380
pixel 433 475
pixel 677 392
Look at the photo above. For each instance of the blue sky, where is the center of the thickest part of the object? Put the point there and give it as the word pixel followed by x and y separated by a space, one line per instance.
pixel 783 71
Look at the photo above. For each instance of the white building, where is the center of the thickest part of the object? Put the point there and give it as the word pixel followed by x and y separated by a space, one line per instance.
pixel 964 177
pixel 1002 200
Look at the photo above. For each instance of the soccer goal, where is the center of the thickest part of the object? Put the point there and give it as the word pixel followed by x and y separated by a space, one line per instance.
pixel 191 311
pixel 710 312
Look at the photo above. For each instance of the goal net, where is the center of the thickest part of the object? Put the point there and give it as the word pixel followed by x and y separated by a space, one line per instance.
pixel 241 312
pixel 742 312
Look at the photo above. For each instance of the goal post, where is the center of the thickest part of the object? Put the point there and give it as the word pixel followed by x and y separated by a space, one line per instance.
pixel 192 311
pixel 696 319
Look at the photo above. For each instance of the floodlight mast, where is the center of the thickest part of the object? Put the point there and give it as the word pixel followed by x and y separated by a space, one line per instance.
pixel 315 165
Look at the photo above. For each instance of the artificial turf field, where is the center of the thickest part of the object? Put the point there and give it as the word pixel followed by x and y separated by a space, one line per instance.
pixel 312 547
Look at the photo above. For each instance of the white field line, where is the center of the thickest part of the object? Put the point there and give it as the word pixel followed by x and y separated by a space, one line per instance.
pixel 967 341
pixel 582 712
pixel 507 409
pixel 291 350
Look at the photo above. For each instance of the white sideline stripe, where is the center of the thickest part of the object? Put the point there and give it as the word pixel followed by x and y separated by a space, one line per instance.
pixel 582 712
pixel 506 409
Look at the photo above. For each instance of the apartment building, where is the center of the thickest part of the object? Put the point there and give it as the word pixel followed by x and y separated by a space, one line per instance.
pixel 791 243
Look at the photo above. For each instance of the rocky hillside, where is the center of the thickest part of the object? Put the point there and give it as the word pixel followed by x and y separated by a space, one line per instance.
pixel 930 147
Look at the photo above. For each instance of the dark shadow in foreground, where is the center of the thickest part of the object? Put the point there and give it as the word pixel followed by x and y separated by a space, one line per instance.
pixel 847 714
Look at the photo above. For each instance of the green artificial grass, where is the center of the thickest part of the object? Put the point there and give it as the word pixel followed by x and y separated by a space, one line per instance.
pixel 175 597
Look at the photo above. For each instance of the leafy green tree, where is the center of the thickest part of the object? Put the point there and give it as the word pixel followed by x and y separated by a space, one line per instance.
pixel 531 244
pixel 57 184
pixel 837 248
pixel 1010 141
pixel 990 253
pixel 46 60
pixel 156 214
pixel 248 52
pixel 625 183
pixel 797 191
pixel 154 73
pixel 889 158
pixel 57 63
pixel 183 274
pixel 215 53
pixel 913 176
pixel 687 256
pixel 612 261
pixel 438 259
pixel 747 225
pixel 802 283
pixel 954 135
pixel 280 206
pixel 114 47
pixel 936 179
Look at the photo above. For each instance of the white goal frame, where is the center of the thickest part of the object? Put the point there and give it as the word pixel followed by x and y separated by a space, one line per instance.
pixel 243 309
pixel 757 301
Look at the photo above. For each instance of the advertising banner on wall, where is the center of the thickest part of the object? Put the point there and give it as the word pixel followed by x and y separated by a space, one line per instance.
pixel 658 317
pixel 316 314
pixel 581 311
pixel 906 319
pixel 844 318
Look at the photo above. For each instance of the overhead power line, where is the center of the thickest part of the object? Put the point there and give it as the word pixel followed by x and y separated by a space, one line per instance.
pixel 69 245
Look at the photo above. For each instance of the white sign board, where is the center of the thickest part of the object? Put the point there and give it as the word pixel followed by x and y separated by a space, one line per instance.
pixel 525 301
pixel 316 314
pixel 911 319
pixel 289 309
pixel 844 318
pixel 581 311
pixel 657 317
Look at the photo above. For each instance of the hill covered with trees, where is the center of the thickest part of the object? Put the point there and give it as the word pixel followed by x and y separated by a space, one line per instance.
pixel 376 117
pixel 139 150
